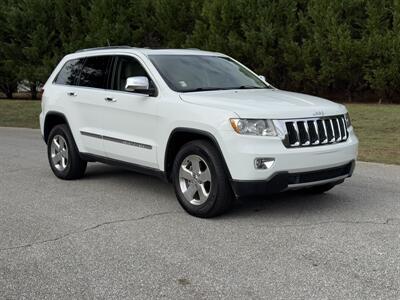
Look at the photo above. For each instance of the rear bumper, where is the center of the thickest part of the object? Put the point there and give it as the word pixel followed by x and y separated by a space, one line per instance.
pixel 41 123
pixel 283 181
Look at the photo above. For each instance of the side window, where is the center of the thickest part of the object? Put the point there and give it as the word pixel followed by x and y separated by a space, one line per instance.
pixel 70 72
pixel 94 72
pixel 127 66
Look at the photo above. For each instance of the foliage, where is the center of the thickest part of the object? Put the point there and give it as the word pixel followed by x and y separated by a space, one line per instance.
pixel 8 74
pixel 348 47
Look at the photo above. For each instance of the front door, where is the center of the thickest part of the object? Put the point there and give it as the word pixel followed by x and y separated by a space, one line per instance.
pixel 130 123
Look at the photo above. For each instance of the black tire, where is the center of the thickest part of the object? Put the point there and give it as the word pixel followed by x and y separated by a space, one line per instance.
pixel 319 189
pixel 220 196
pixel 75 166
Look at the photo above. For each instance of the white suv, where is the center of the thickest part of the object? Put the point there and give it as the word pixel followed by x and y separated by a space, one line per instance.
pixel 198 119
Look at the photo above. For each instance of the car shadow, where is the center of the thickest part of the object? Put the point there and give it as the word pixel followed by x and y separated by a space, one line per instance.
pixel 290 204
pixel 117 176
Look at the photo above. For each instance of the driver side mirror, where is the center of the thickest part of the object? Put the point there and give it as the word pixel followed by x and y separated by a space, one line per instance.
pixel 137 84
pixel 140 84
pixel 262 77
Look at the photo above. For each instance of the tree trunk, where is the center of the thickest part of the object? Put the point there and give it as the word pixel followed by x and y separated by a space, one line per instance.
pixel 7 90
pixel 9 94
pixel 33 91
pixel 349 92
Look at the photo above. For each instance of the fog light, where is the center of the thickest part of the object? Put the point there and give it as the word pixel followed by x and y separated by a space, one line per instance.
pixel 264 163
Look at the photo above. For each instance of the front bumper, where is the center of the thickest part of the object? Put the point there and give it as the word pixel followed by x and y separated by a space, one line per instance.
pixel 283 181
pixel 240 152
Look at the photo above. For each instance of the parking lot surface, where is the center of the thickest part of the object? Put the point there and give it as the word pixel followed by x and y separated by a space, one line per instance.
pixel 117 234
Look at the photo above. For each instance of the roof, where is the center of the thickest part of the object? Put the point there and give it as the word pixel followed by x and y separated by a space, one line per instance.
pixel 147 51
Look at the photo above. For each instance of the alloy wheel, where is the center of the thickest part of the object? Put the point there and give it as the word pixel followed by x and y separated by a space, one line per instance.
pixel 59 153
pixel 195 179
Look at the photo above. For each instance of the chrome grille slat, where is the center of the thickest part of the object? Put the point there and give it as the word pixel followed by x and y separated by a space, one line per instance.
pixel 325 141
pixel 318 141
pixel 296 128
pixel 333 132
pixel 307 142
pixel 314 131
pixel 343 128
pixel 339 131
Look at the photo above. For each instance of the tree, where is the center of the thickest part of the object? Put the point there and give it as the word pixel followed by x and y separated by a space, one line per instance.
pixel 382 42
pixel 258 33
pixel 335 30
pixel 346 46
pixel 8 74
pixel 34 40
pixel 117 22
pixel 175 20
pixel 71 25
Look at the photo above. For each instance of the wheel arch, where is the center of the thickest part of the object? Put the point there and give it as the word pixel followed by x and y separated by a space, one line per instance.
pixel 182 135
pixel 52 119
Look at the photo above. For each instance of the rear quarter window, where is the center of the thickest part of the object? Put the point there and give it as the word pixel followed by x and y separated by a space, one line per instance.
pixel 69 73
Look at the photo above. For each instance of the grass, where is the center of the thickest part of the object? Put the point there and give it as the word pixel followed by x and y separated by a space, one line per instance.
pixel 378 129
pixel 19 113
pixel 377 126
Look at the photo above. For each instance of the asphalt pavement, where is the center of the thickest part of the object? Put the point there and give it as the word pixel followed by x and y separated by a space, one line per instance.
pixel 116 234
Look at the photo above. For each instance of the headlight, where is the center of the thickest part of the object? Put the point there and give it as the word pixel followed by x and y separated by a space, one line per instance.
pixel 254 127
pixel 348 121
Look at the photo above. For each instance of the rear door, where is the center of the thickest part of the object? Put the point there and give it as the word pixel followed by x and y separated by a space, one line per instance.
pixel 89 103
pixel 131 120
pixel 65 91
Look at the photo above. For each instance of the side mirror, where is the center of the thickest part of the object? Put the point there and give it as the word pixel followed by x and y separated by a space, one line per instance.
pixel 137 84
pixel 262 77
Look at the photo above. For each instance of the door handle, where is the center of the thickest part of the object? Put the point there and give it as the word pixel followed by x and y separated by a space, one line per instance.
pixel 72 94
pixel 110 99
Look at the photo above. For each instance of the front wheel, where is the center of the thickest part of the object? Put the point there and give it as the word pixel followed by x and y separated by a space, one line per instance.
pixel 200 180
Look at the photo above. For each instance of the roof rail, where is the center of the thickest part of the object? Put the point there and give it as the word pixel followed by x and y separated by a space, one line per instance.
pixel 103 48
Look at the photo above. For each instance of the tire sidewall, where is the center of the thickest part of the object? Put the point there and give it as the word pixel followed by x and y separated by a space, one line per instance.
pixel 203 152
pixel 60 130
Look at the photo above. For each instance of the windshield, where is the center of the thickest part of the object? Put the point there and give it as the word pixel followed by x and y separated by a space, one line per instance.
pixel 192 73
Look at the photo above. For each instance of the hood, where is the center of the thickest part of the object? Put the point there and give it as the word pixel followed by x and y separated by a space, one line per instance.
pixel 265 103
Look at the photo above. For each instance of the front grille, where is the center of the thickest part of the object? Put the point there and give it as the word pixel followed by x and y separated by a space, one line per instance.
pixel 315 131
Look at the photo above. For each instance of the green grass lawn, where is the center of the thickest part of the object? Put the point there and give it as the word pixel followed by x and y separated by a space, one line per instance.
pixel 377 126
pixel 19 113
pixel 378 129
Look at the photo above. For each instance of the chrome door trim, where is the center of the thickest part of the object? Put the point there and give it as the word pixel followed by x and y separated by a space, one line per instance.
pixel 116 140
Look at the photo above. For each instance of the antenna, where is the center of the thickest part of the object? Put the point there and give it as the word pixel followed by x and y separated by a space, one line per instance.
pixel 108 42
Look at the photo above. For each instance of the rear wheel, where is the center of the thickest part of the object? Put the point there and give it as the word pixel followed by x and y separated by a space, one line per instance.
pixel 200 181
pixel 63 154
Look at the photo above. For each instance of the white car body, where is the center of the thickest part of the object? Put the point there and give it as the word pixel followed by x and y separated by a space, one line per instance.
pixel 135 128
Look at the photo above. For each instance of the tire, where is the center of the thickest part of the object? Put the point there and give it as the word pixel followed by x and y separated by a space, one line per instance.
pixel 64 159
pixel 210 191
pixel 319 189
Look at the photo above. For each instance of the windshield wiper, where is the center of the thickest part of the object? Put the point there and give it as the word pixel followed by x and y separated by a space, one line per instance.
pixel 201 89
pixel 248 87
pixel 242 87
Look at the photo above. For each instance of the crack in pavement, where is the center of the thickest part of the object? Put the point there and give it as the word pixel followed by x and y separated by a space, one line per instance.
pixel 389 221
pixel 88 229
